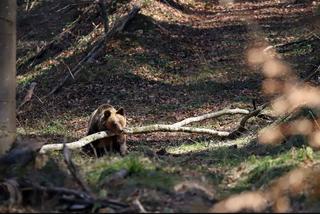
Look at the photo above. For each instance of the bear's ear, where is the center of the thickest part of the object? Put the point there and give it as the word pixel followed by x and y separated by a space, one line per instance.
pixel 120 111
pixel 107 114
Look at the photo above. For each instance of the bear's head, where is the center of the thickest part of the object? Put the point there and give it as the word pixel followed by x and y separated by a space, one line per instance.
pixel 115 120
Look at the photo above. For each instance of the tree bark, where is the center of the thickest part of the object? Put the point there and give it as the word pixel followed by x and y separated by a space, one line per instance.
pixel 7 74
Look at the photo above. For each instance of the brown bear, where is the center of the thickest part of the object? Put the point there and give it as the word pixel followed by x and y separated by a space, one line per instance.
pixel 107 118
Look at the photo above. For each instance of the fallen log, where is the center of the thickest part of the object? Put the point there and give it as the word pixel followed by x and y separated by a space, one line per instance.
pixel 176 127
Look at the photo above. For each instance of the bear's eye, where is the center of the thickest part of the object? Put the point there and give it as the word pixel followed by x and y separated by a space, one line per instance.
pixel 107 114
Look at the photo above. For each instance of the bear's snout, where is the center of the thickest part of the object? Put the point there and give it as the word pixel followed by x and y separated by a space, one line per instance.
pixel 117 128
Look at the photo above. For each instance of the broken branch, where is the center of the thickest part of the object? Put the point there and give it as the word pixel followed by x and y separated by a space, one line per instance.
pixel 241 127
pixel 73 170
pixel 80 196
pixel 211 115
pixel 117 27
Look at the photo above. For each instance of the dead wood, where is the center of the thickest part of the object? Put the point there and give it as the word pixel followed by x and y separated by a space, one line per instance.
pixel 241 128
pixel 210 116
pixel 10 192
pixel 74 171
pixel 135 130
pixel 176 127
pixel 117 27
pixel 283 46
pixel 137 204
pixel 79 197
pixel 21 154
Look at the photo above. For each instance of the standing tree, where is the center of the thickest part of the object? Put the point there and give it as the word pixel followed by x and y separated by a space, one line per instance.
pixel 7 74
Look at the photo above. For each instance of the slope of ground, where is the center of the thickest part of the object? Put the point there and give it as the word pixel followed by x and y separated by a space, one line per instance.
pixel 176 59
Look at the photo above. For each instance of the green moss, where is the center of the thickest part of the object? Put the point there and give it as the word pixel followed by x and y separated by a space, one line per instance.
pixel 260 171
pixel 141 172
pixel 186 148
pixel 54 127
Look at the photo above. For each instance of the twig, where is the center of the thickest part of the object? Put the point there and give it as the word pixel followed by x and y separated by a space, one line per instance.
pixel 310 76
pixel 61 190
pixel 100 202
pixel 314 119
pixel 241 127
pixel 77 68
pixel 28 96
pixel 278 46
pixel 81 197
pixel 73 170
pixel 211 115
pixel 71 74
pixel 139 206
pixel 167 32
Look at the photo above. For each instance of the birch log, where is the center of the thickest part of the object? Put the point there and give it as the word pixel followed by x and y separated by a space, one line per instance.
pixel 176 127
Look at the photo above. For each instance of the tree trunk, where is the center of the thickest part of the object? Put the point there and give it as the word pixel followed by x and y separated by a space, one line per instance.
pixel 7 74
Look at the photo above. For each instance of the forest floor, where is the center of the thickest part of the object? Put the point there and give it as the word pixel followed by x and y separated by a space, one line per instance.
pixel 174 60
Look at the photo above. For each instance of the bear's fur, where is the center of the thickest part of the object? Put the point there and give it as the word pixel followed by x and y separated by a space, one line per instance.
pixel 107 118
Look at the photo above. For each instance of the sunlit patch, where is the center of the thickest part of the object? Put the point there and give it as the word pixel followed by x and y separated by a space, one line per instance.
pixel 187 148
pixel 226 2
